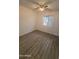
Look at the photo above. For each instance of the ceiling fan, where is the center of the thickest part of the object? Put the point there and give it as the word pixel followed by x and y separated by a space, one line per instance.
pixel 42 5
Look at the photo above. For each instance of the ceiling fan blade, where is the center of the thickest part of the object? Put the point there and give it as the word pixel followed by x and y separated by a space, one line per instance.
pixel 33 2
pixel 48 9
pixel 49 2
pixel 36 8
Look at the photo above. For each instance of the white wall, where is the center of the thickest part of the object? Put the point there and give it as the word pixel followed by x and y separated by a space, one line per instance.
pixel 30 20
pixel 54 28
pixel 26 20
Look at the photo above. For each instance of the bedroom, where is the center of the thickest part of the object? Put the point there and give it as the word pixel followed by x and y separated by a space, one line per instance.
pixel 39 29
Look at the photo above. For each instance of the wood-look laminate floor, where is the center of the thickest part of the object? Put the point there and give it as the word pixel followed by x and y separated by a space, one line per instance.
pixel 38 45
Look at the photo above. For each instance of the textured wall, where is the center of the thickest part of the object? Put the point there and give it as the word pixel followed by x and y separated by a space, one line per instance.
pixel 54 23
pixel 26 20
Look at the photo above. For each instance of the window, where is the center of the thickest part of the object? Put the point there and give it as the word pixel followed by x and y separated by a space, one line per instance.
pixel 48 21
pixel 45 20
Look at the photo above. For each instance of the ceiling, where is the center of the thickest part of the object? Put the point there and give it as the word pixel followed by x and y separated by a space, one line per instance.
pixel 53 5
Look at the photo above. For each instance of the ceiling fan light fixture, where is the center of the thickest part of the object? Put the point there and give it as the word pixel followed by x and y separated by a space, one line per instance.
pixel 41 9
